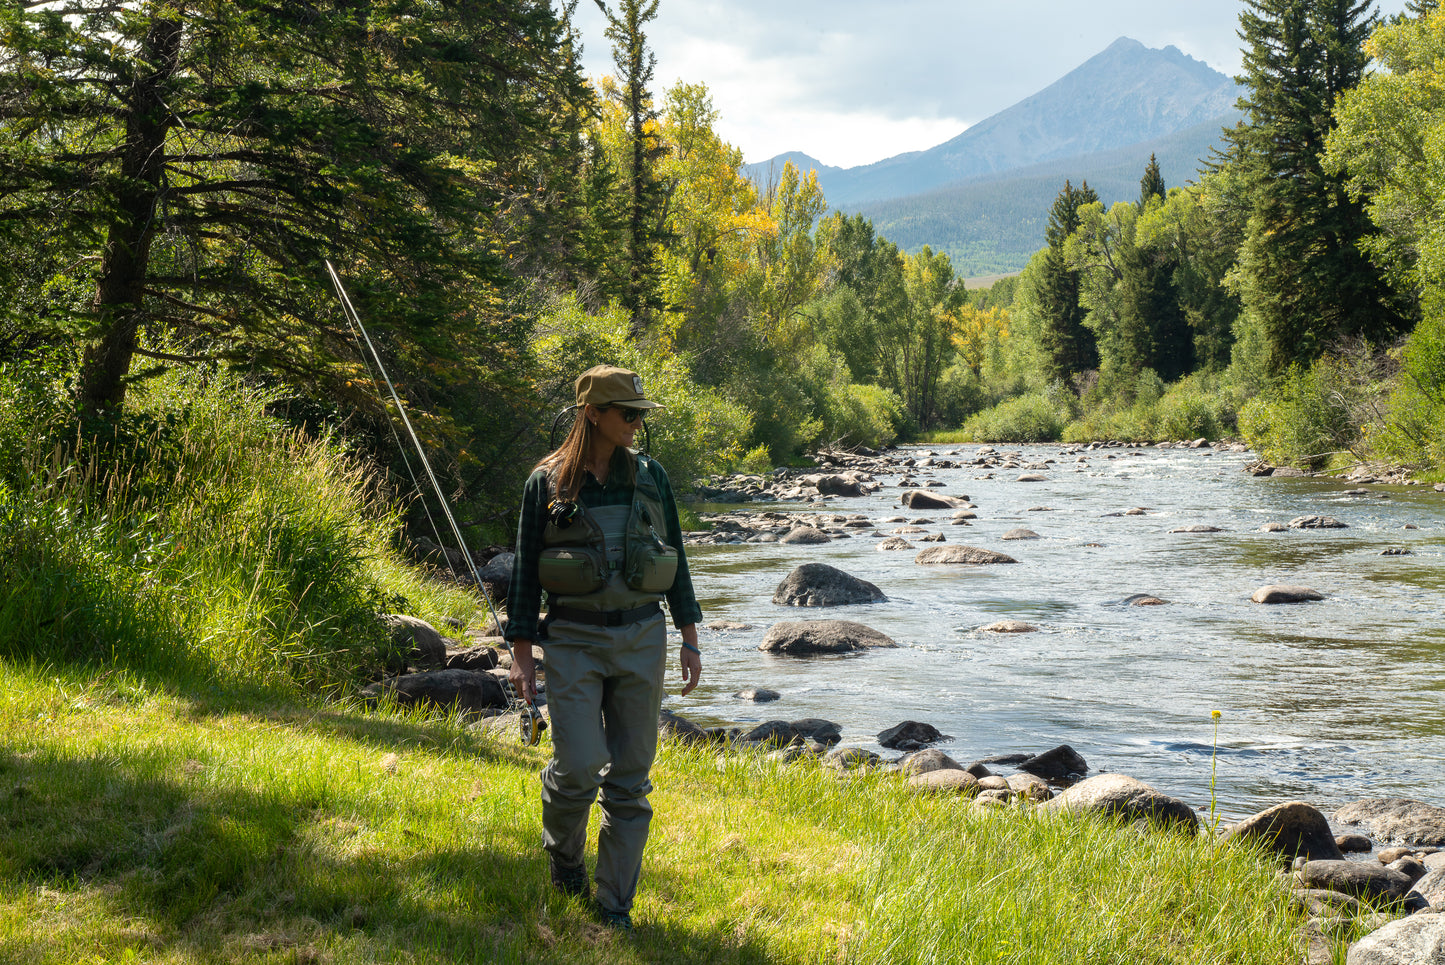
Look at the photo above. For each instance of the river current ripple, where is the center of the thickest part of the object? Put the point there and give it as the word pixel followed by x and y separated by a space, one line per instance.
pixel 1325 702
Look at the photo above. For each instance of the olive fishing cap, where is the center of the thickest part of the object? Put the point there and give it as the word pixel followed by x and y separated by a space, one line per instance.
pixel 610 385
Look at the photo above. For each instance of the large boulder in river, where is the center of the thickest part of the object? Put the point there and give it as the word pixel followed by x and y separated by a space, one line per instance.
pixel 818 584
pixel 1118 795
pixel 1316 522
pixel 806 535
pixel 1056 764
pixel 465 690
pixel 808 637
pixel 1282 593
pixel 839 486
pixel 1293 829
pixel 1397 820
pixel 970 555
pixel 911 735
pixel 918 499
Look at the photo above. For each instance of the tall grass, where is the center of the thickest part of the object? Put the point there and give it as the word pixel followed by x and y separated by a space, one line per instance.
pixel 199 538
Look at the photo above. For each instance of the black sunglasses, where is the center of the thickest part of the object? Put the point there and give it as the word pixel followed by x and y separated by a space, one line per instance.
pixel 629 414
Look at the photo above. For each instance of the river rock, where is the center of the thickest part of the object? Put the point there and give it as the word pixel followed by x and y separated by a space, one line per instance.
pixel 817 729
pixel 911 735
pixel 970 555
pixel 850 758
pixel 496 575
pixel 1282 593
pixel 1125 797
pixel 415 642
pixel 910 529
pixel 1056 764
pixel 1020 533
pixel 894 543
pixel 918 499
pixel 945 781
pixel 1431 887
pixel 1030 787
pixel 1416 940
pixel 1397 820
pixel 839 486
pixel 806 637
pixel 480 657
pixel 679 728
pixel 928 759
pixel 1196 528
pixel 818 584
pixel 806 536
pixel 1010 626
pixel 758 695
pixel 1273 528
pixel 1316 522
pixel 1292 829
pixel 1372 882
pixel 1355 844
pixel 1033 477
pixel 1142 599
pixel 1397 551
pixel 465 690
pixel 1409 867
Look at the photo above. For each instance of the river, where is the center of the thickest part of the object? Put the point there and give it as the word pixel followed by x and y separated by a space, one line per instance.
pixel 1325 702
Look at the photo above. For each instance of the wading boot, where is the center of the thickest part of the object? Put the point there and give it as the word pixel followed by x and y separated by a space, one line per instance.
pixel 570 881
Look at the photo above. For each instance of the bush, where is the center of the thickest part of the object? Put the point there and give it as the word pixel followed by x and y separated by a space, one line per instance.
pixel 1025 418
pixel 1300 421
pixel 201 540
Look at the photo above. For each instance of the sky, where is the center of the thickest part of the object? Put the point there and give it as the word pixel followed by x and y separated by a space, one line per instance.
pixel 851 82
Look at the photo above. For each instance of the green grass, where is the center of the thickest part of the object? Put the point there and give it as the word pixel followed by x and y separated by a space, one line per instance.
pixel 156 827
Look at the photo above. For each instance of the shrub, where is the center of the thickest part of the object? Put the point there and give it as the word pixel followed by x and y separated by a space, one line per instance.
pixel 1025 418
pixel 202 540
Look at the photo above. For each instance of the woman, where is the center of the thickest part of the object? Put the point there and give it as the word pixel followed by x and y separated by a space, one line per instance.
pixel 599 533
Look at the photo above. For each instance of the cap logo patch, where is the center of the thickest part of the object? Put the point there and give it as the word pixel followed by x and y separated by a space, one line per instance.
pixel 637 385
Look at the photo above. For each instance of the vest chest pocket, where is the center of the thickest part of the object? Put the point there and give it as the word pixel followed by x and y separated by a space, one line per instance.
pixel 655 570
pixel 571 570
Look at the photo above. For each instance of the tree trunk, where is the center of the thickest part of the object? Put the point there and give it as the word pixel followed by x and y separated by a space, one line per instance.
pixel 126 257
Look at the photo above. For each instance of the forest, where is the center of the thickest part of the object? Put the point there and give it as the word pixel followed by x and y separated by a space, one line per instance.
pixel 175 176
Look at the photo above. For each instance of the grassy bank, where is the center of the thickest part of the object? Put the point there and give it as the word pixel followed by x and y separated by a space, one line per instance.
pixel 152 826
pixel 191 596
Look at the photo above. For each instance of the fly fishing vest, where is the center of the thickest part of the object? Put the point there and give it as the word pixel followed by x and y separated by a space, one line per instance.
pixel 582 568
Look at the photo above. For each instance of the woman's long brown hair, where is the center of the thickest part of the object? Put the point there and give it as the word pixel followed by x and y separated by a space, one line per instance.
pixel 566 465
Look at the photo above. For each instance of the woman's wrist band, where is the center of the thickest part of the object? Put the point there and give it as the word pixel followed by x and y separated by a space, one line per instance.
pixel 688 646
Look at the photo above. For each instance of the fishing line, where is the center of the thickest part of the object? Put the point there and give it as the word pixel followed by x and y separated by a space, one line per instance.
pixel 530 731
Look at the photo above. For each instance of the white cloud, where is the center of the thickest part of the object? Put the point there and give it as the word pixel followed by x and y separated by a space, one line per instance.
pixel 854 81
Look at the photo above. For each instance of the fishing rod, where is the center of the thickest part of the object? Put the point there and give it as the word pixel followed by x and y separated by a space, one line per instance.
pixel 530 717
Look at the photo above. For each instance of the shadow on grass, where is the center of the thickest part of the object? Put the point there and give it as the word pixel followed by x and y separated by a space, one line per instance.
pixel 228 872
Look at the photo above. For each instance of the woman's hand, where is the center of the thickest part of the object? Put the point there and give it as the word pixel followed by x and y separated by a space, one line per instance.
pixel 690 659
pixel 523 675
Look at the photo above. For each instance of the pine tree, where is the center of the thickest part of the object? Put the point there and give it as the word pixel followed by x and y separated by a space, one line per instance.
pixel 646 195
pixel 1151 185
pixel 202 157
pixel 1302 276
pixel 1068 347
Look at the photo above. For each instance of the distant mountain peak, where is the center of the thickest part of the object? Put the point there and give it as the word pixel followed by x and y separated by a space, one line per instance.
pixel 1125 94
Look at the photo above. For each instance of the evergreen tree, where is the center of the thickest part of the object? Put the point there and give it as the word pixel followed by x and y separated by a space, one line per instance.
pixel 202 157
pixel 645 192
pixel 1151 185
pixel 1150 296
pixel 1302 276
pixel 1068 347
